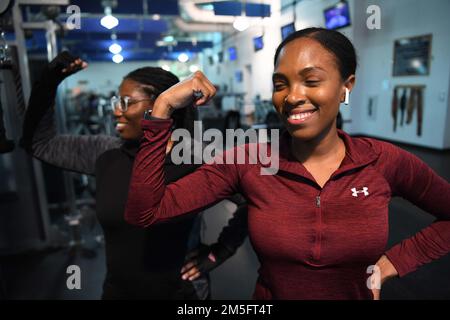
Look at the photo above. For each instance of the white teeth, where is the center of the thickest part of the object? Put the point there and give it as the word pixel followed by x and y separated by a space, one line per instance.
pixel 120 125
pixel 300 116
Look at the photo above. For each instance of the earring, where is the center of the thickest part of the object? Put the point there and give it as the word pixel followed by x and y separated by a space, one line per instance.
pixel 347 96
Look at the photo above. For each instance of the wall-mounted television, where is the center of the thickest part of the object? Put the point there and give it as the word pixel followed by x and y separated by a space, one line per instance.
pixel 258 43
pixel 337 16
pixel 238 75
pixel 232 54
pixel 287 30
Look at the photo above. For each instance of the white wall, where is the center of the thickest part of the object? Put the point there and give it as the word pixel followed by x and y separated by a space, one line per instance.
pixel 402 18
pixel 447 120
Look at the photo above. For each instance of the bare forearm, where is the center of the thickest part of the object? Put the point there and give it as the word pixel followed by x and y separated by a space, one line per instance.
pixel 161 108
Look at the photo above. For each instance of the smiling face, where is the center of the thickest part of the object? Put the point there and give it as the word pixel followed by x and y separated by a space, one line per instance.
pixel 308 88
pixel 129 122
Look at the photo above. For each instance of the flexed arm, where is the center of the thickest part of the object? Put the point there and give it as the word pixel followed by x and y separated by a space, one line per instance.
pixel 39 137
pixel 149 200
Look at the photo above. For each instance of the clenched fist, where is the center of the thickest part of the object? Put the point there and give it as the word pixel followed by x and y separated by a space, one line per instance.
pixel 196 89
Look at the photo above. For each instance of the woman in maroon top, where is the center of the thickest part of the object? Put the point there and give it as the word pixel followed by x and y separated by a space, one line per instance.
pixel 320 224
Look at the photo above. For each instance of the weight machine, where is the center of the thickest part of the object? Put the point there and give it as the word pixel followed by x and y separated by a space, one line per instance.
pixel 25 223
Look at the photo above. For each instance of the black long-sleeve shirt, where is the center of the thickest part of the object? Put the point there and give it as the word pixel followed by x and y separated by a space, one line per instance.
pixel 141 263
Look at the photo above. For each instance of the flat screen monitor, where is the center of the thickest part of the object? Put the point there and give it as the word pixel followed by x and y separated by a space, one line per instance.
pixel 287 30
pixel 258 43
pixel 337 16
pixel 238 76
pixel 232 53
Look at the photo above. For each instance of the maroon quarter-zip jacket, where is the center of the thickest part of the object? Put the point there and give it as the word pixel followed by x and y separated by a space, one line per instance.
pixel 312 242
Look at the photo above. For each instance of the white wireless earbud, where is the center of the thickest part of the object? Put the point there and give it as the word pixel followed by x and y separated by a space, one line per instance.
pixel 347 96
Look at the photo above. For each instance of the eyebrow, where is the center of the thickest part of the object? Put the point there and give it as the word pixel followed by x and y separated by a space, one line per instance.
pixel 277 75
pixel 309 69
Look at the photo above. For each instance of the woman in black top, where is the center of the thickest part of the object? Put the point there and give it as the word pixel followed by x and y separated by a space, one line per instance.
pixel 138 266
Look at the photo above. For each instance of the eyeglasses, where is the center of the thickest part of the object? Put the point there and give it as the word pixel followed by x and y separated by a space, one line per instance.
pixel 122 103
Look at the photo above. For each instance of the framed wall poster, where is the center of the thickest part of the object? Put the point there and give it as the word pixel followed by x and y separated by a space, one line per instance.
pixel 412 56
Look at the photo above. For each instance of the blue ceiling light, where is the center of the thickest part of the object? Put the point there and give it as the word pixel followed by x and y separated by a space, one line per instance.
pixel 109 21
pixel 117 58
pixel 115 48
pixel 183 57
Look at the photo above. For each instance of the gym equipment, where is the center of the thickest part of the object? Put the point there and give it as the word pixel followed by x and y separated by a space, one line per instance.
pixel 6 145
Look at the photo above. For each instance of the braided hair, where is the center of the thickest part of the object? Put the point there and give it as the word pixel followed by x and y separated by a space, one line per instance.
pixel 156 80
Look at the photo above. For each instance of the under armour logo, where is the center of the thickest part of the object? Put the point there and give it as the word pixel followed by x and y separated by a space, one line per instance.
pixel 364 190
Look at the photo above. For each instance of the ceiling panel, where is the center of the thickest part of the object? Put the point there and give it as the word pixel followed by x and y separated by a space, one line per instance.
pixel 234 8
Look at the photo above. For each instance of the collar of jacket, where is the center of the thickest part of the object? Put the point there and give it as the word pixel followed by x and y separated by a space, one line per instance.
pixel 130 147
pixel 358 153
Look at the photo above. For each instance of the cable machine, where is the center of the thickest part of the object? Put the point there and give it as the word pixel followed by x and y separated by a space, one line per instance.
pixel 24 209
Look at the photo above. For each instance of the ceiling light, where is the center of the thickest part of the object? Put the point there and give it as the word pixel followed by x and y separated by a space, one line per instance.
pixel 193 68
pixel 117 58
pixel 115 48
pixel 109 21
pixel 241 23
pixel 183 57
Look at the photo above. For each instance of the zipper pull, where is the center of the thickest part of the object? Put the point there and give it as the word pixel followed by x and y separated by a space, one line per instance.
pixel 318 201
